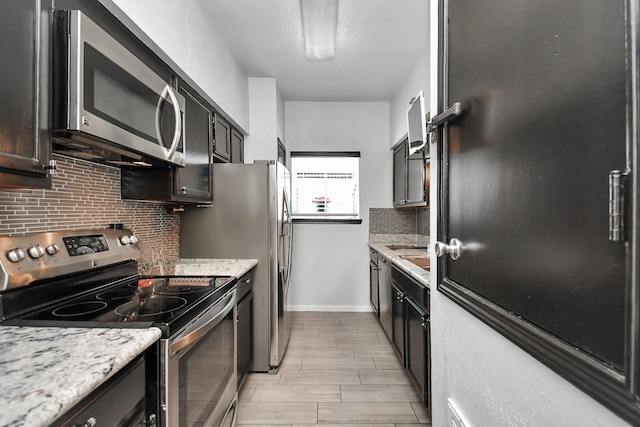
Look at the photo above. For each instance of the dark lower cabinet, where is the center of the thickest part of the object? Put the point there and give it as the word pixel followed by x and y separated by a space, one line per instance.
pixel 418 341
pixel 374 281
pixel 410 331
pixel 245 322
pixel 120 401
pixel 398 321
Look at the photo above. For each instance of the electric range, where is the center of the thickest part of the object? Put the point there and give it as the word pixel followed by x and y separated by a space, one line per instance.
pixel 90 278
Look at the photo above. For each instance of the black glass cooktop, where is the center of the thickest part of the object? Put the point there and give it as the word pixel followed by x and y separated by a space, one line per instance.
pixel 164 301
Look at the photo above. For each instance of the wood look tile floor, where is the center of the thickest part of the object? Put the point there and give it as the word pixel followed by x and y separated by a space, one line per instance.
pixel 339 370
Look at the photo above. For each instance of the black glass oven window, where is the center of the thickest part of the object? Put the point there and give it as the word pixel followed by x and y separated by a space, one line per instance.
pixel 83 245
pixel 204 371
pixel 116 96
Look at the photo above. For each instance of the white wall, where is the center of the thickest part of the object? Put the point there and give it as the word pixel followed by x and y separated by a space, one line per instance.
pixel 262 144
pixel 281 116
pixel 189 38
pixel 328 272
pixel 266 119
pixel 492 381
pixel 417 80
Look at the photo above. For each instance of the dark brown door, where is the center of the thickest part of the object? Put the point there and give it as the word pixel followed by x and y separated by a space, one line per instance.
pixel 525 176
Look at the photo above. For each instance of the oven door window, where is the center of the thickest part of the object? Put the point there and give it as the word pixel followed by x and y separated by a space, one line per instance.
pixel 205 370
pixel 117 97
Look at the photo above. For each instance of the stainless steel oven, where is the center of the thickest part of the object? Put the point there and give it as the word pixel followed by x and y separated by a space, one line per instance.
pixel 198 369
pixel 90 278
pixel 108 99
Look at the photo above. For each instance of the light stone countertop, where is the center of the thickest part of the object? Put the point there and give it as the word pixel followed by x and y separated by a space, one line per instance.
pixel 381 243
pixel 45 371
pixel 215 267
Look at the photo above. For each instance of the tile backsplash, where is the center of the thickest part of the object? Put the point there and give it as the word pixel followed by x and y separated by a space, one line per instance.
pixel 399 221
pixel 86 195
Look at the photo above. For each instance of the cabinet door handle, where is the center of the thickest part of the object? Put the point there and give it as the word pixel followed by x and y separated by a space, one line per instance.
pixel 425 322
pixel 89 423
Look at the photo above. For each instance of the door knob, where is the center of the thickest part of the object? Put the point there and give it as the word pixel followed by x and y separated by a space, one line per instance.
pixel 453 249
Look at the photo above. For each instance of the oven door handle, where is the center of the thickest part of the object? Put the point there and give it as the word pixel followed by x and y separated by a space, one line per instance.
pixel 209 320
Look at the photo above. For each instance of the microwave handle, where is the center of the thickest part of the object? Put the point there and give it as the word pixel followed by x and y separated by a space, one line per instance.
pixel 168 91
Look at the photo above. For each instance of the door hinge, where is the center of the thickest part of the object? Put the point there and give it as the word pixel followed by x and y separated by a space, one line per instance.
pixel 51 167
pixel 617 180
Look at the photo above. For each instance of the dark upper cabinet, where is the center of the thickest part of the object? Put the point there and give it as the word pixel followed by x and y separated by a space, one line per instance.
pixel 237 146
pixel 196 178
pixel 410 177
pixel 24 136
pixel 399 178
pixel 222 135
pixel 192 183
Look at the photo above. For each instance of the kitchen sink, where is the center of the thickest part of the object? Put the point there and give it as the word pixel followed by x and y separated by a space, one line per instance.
pixel 422 262
pixel 399 247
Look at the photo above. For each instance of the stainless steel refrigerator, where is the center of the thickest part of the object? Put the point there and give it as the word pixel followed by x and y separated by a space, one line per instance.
pixel 250 218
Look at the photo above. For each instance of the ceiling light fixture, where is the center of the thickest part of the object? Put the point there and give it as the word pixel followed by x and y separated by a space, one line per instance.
pixel 319 24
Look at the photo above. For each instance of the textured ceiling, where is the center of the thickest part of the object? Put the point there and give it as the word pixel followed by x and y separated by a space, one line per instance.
pixel 378 43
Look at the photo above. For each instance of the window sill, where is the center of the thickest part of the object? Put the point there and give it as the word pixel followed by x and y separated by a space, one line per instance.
pixel 326 221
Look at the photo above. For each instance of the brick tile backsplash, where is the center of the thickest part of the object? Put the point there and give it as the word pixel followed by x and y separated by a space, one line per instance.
pixel 86 195
pixel 399 221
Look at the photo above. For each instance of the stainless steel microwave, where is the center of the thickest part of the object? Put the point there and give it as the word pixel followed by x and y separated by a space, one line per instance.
pixel 109 106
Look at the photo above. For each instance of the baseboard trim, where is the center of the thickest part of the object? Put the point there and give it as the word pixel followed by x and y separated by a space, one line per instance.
pixel 358 308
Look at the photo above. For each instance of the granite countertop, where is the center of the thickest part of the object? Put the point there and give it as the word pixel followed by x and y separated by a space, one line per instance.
pixel 381 243
pixel 46 371
pixel 215 267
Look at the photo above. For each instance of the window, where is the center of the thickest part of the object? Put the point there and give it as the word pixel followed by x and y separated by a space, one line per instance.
pixel 325 186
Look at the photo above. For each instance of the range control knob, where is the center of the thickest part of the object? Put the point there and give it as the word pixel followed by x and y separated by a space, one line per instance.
pixel 15 255
pixel 53 249
pixel 36 251
pixel 125 240
pixel 133 239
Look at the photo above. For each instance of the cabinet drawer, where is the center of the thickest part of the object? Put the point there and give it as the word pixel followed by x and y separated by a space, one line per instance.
pixel 416 291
